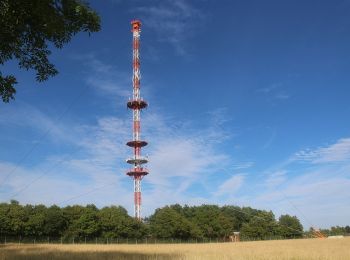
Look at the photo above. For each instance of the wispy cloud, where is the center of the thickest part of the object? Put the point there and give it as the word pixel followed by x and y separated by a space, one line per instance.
pixel 317 197
pixel 269 89
pixel 180 156
pixel 104 78
pixel 173 21
pixel 338 152
pixel 274 92
pixel 24 115
pixel 242 165
pixel 316 191
pixel 276 178
pixel 231 185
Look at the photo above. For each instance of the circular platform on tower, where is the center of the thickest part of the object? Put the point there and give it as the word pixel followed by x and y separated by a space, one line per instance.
pixel 137 104
pixel 140 160
pixel 135 143
pixel 137 172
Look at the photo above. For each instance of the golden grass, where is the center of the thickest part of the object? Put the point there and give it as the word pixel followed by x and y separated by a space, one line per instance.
pixel 308 249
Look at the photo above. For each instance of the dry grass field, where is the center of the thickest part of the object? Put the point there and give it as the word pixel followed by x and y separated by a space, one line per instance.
pixel 287 249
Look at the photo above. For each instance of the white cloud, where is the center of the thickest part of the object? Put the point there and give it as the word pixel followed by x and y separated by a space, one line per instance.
pixel 242 165
pixel 317 200
pixel 179 158
pixel 231 185
pixel 338 152
pixel 276 178
pixel 104 78
pixel 316 191
pixel 173 21
pixel 26 116
pixel 274 92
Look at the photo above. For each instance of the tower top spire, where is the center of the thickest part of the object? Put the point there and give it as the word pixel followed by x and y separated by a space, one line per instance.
pixel 136 25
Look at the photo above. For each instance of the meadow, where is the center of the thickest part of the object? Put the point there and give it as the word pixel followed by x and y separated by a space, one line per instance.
pixel 308 249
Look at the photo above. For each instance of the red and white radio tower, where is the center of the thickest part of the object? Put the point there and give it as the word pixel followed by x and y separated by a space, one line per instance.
pixel 136 104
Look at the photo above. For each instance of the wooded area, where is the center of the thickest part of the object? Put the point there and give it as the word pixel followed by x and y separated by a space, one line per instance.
pixel 169 222
pixel 177 222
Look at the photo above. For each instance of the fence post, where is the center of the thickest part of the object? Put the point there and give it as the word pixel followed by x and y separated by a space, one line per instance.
pixel 96 240
pixel 61 241
pixel 48 240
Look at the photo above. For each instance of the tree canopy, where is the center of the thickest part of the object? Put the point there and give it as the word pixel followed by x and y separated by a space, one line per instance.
pixel 169 222
pixel 27 29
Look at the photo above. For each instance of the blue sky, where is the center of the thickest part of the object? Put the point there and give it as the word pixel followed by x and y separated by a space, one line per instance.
pixel 249 105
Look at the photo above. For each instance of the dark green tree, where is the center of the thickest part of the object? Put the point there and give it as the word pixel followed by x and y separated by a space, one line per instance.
pixel 72 215
pixel 211 221
pixel 27 29
pixel 169 223
pixel 290 226
pixel 55 222
pixel 261 226
pixel 87 225
pixel 34 226
pixel 337 230
pixel 347 229
pixel 5 221
pixel 236 217
pixel 116 223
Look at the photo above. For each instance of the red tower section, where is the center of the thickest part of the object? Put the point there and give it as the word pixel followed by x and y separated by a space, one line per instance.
pixel 136 104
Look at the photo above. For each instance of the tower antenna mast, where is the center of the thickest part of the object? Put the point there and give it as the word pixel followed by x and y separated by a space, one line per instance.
pixel 136 104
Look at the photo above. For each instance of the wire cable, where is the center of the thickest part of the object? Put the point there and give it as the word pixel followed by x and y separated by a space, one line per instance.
pixel 85 193
pixel 44 173
pixel 43 136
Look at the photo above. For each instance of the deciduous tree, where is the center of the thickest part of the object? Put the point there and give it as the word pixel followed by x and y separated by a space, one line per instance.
pixel 29 27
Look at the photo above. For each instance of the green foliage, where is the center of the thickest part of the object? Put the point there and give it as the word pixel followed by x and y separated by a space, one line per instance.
pixel 211 221
pixel 28 27
pixel 347 229
pixel 116 223
pixel 170 222
pixel 55 222
pixel 35 223
pixel 335 231
pixel 290 227
pixel 261 226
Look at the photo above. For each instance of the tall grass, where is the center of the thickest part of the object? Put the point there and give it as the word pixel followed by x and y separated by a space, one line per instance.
pixel 308 249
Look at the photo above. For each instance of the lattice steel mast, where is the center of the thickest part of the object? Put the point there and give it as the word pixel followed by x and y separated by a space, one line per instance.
pixel 137 104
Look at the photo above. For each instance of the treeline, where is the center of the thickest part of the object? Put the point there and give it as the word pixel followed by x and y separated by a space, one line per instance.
pixel 336 231
pixel 175 222
pixel 211 221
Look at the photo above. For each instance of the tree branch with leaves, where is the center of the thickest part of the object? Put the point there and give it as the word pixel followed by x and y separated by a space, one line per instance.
pixel 26 29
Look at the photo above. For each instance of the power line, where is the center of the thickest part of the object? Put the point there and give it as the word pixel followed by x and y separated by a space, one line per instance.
pixel 43 136
pixel 241 211
pixel 86 193
pixel 44 173
pixel 287 199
